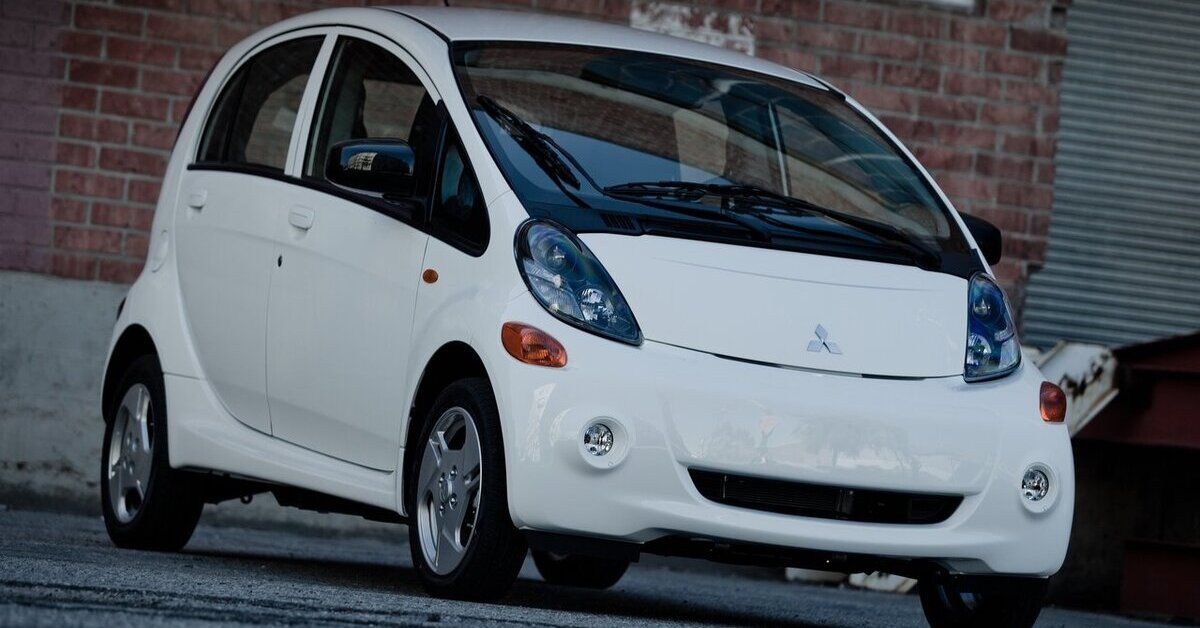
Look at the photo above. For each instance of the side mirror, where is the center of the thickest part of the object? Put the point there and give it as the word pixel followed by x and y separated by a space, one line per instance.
pixel 381 166
pixel 986 235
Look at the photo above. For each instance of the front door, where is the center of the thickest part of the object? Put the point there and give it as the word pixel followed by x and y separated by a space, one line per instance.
pixel 342 297
pixel 226 218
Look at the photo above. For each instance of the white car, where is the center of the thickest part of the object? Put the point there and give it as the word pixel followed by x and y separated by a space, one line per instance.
pixel 530 282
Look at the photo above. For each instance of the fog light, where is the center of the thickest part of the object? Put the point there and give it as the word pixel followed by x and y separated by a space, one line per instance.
pixel 1035 485
pixel 598 439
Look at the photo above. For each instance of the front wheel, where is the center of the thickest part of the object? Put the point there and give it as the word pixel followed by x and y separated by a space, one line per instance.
pixel 146 504
pixel 463 541
pixel 1012 603
pixel 579 571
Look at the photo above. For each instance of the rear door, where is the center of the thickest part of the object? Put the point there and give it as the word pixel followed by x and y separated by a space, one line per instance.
pixel 228 215
pixel 342 298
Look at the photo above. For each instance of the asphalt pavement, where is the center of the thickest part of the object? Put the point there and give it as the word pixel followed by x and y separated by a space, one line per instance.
pixel 60 570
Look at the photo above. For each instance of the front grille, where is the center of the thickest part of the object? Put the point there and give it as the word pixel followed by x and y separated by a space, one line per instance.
pixel 824 501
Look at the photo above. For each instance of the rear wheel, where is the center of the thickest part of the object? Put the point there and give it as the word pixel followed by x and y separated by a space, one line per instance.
pixel 1013 603
pixel 579 571
pixel 146 504
pixel 463 541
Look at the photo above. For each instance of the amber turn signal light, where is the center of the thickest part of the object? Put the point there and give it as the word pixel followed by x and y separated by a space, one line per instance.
pixel 532 345
pixel 1053 402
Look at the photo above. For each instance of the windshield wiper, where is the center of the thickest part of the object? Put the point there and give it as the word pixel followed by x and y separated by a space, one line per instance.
pixel 692 191
pixel 546 153
pixel 642 193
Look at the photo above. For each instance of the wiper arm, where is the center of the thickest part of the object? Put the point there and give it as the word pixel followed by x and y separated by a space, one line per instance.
pixel 641 193
pixel 546 152
pixel 688 190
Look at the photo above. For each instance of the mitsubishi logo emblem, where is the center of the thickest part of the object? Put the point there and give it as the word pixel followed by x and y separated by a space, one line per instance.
pixel 823 342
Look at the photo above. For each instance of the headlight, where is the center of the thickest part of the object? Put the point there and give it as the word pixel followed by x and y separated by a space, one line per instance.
pixel 570 283
pixel 992 346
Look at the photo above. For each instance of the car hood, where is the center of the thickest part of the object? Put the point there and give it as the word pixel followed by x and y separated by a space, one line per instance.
pixel 790 309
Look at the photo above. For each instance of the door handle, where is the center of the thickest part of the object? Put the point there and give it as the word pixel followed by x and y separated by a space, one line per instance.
pixel 197 199
pixel 301 217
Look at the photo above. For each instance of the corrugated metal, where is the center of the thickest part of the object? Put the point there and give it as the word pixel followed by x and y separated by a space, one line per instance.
pixel 1123 260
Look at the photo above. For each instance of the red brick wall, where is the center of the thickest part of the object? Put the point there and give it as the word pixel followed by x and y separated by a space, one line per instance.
pixel 92 93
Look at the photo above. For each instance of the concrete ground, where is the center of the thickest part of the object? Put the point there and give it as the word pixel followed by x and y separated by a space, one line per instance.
pixel 60 570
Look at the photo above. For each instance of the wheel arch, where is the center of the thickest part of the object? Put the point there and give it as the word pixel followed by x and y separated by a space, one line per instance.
pixel 452 361
pixel 134 342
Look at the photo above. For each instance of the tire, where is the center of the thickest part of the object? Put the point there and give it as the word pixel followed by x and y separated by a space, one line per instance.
pixel 579 571
pixel 147 505
pixel 1015 603
pixel 470 504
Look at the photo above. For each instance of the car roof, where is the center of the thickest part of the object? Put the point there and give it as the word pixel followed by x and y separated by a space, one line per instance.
pixel 460 24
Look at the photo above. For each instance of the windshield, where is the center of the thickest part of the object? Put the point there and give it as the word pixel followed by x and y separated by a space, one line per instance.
pixel 648 135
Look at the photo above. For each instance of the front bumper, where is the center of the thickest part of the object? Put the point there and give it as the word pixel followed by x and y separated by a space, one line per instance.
pixel 677 409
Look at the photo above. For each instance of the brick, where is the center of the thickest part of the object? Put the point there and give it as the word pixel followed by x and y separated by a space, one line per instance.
pixel 811 36
pixel 99 18
pixel 774 29
pixel 1032 93
pixel 846 67
pixel 968 187
pixel 920 24
pixel 68 210
pixel 123 216
pixel 1018 65
pixel 132 161
pixel 81 98
pixel 953 55
pixel 1008 220
pixel 81 44
pixel 23 230
pixel 103 73
pixel 198 58
pixel 801 9
pixel 790 57
pixel 960 84
pixel 112 131
pixel 74 266
pixel 118 271
pixel 942 158
pixel 15 34
pixel 139 51
pixel 178 28
pixel 948 108
pixel 966 136
pixel 1020 168
pixel 163 5
pixel 229 34
pixel 912 76
pixel 136 245
pixel 49 11
pixel 1038 41
pixel 29 63
pixel 86 239
pixel 981 33
pixel 889 47
pixel 88 184
pixel 882 98
pixel 1008 115
pixel 23 147
pixel 75 126
pixel 170 82
pixel 853 14
pixel 1045 173
pixel 1025 195
pixel 27 203
pixel 73 154
pixel 143 191
pixel 154 136
pixel 1012 10
pixel 23 174
pixel 908 129
pixel 228 9
pixel 135 106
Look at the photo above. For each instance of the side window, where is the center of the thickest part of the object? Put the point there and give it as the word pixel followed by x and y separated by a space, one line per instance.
pixel 371 94
pixel 253 120
pixel 459 213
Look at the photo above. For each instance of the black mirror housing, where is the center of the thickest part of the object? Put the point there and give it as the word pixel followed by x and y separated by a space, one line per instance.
pixel 987 236
pixel 380 166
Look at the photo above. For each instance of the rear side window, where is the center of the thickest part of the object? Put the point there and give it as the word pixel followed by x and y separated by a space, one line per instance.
pixel 253 120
